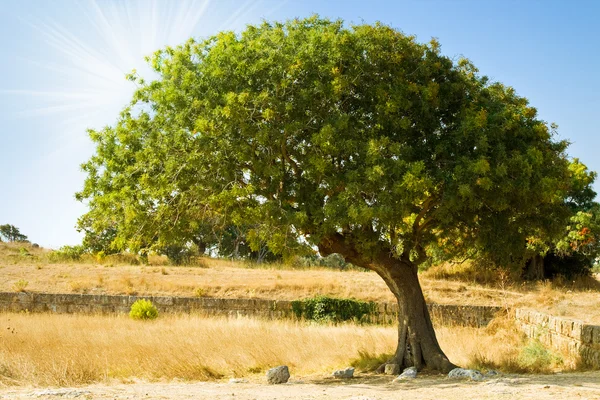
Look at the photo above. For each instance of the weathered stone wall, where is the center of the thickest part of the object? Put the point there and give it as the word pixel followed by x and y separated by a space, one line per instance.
pixel 562 334
pixel 272 309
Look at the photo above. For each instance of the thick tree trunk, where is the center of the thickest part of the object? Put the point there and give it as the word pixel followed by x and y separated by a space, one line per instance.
pixel 417 343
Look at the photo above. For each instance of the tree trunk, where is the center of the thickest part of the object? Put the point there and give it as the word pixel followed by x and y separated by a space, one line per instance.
pixel 534 270
pixel 417 344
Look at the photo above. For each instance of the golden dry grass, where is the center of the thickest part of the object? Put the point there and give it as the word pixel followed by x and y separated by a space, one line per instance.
pixel 444 284
pixel 65 350
pixel 75 349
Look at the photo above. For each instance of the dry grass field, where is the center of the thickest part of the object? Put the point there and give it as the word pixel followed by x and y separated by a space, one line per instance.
pixel 70 350
pixel 30 270
pixel 66 350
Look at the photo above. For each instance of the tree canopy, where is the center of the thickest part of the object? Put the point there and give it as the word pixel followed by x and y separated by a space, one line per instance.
pixel 308 128
pixel 11 233
pixel 355 140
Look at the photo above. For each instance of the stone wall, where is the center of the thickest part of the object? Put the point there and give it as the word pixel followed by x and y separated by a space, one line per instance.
pixel 103 304
pixel 562 334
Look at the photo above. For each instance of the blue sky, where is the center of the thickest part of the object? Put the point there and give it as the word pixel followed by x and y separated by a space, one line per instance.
pixel 64 62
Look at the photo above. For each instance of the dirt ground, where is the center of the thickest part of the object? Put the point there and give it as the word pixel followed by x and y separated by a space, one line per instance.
pixel 583 385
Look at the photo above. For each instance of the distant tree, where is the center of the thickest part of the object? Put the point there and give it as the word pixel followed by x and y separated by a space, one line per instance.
pixel 357 141
pixel 575 245
pixel 11 233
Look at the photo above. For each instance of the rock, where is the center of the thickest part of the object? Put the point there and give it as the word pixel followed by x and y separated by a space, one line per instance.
pixel 408 373
pixel 238 380
pixel 278 375
pixel 392 369
pixel 344 373
pixel 465 373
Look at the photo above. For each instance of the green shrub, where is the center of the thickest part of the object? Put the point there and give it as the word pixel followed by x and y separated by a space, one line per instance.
pixel 328 309
pixel 535 357
pixel 67 253
pixel 143 309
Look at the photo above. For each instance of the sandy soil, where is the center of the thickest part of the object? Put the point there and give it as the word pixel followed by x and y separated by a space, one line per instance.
pixel 585 385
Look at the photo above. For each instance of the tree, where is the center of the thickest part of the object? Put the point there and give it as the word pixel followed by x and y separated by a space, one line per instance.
pixel 574 247
pixel 11 233
pixel 353 140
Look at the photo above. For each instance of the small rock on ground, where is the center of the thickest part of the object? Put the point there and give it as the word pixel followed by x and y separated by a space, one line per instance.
pixel 344 373
pixel 278 375
pixel 466 373
pixel 408 373
pixel 392 369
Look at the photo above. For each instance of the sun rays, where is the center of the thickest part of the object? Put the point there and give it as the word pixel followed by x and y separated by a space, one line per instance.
pixel 86 85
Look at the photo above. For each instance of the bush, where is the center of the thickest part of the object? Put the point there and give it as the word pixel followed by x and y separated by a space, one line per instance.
pixel 67 253
pixel 177 255
pixel 536 357
pixel 143 309
pixel 328 309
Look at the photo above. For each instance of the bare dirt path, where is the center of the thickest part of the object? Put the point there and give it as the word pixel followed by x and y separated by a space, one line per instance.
pixel 585 385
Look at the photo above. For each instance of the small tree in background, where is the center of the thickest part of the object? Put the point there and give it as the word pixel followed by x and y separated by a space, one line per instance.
pixel 11 233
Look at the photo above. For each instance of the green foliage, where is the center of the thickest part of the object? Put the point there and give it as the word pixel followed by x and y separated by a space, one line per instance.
pixel 143 309
pixel 67 253
pixel 11 233
pixel 301 132
pixel 327 309
pixel 334 261
pixel 178 255
pixel 535 357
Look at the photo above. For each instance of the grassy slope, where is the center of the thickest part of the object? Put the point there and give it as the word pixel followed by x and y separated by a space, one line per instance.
pixel 449 284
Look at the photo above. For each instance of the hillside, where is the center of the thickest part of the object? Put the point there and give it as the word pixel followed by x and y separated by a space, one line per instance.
pixel 24 268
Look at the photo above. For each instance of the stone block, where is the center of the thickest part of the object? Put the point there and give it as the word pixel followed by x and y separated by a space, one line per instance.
pixel 587 332
pixel 576 330
pixel 162 300
pixel 58 308
pixel 596 335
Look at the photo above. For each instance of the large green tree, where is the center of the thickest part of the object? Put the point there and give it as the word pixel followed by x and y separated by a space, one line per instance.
pixel 354 140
